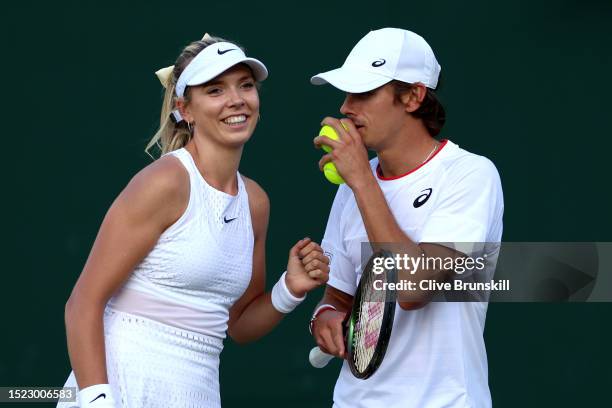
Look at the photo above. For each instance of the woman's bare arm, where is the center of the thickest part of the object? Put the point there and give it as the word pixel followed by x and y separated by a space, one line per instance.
pixel 153 200
pixel 253 315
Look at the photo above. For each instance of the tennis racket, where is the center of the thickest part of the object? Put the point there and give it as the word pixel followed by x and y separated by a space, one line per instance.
pixel 367 329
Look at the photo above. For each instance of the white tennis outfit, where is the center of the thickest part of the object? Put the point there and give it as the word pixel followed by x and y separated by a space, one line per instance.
pixel 164 328
pixel 436 356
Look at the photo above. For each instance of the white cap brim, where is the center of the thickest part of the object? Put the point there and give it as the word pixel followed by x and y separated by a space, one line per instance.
pixel 351 80
pixel 259 70
pixel 214 60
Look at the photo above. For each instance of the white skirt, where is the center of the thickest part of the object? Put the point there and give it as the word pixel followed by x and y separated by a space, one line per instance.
pixel 150 364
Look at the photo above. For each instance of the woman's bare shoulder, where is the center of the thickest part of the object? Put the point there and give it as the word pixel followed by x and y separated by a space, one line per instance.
pixel 161 189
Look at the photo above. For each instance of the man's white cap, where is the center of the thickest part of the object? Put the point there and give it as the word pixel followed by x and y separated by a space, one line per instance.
pixel 213 61
pixel 382 56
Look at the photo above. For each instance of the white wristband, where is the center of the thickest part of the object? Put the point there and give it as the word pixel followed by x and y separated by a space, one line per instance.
pixel 282 299
pixel 96 396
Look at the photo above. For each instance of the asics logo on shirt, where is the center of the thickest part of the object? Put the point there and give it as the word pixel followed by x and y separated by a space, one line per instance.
pixel 422 199
pixel 228 220
pixel 379 63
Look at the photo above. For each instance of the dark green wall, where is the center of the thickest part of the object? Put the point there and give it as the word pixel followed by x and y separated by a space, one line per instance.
pixel 526 83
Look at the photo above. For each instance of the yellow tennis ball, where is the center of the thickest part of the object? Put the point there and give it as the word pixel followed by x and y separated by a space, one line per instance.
pixel 331 173
pixel 330 132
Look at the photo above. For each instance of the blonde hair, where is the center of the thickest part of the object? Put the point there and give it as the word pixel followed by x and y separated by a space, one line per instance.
pixel 170 135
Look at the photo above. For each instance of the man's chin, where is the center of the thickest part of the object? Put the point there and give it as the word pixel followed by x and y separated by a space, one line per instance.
pixel 366 140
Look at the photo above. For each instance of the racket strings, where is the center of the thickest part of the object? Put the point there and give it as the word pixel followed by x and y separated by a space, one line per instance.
pixel 369 322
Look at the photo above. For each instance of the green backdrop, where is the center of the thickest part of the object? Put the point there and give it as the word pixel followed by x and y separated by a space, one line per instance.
pixel 526 83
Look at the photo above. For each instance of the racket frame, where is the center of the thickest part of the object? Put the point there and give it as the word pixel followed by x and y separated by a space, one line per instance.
pixel 386 325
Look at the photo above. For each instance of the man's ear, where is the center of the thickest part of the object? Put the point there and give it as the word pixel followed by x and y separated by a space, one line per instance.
pixel 183 108
pixel 413 99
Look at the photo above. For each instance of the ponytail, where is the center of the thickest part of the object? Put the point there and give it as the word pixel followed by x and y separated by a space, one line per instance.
pixel 170 135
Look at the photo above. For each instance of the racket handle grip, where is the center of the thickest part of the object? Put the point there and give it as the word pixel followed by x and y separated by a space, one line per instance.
pixel 319 359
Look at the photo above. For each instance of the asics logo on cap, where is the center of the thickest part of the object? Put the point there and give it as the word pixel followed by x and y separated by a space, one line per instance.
pixel 224 51
pixel 379 63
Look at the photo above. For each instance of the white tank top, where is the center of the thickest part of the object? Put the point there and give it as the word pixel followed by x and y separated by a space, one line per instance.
pixel 200 265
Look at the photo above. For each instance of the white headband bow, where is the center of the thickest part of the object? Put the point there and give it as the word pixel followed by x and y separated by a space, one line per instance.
pixel 164 74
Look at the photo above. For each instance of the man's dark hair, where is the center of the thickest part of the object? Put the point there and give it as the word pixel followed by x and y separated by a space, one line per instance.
pixel 431 110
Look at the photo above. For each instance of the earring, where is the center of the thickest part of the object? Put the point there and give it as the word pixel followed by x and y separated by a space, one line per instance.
pixel 190 127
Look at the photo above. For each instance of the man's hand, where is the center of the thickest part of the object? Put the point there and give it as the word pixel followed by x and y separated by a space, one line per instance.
pixel 349 154
pixel 328 332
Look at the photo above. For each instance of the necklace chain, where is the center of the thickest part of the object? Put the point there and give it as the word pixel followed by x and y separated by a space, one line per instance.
pixel 432 152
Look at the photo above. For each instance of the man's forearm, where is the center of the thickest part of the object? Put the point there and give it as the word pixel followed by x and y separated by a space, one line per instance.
pixel 379 222
pixel 382 228
pixel 341 301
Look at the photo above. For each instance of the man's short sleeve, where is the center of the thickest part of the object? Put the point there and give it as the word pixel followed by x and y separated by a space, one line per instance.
pixel 470 206
pixel 341 271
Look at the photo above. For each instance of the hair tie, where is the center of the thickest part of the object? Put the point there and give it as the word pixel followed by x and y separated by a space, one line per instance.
pixel 175 116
